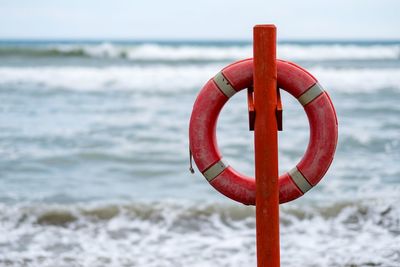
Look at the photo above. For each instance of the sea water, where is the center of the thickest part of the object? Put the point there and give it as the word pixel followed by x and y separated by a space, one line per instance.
pixel 94 157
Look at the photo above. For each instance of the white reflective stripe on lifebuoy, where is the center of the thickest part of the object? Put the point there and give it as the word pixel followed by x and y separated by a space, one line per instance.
pixel 224 85
pixel 300 180
pixel 215 170
pixel 311 93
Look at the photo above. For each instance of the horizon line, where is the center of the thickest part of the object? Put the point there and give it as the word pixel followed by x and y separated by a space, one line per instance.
pixel 199 40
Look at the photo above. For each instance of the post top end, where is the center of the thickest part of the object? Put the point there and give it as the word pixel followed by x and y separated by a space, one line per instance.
pixel 270 26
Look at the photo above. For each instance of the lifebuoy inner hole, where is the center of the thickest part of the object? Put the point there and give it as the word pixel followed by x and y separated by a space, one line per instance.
pixel 236 142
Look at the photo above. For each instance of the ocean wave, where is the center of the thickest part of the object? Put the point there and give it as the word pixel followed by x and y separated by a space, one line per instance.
pixel 157 78
pixel 143 52
pixel 167 78
pixel 339 52
pixel 175 234
pixel 165 52
pixel 352 80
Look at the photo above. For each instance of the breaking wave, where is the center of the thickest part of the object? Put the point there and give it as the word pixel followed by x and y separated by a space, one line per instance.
pixel 181 78
pixel 172 234
pixel 196 52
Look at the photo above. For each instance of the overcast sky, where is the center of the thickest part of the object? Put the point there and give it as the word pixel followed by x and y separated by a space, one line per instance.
pixel 202 19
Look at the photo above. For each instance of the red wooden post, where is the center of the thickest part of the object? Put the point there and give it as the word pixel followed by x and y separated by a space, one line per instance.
pixel 266 146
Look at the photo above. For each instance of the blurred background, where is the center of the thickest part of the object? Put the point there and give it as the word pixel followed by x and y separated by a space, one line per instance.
pixel 96 98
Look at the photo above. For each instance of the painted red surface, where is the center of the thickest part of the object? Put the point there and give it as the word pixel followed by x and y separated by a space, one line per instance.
pixel 323 138
pixel 323 131
pixel 266 145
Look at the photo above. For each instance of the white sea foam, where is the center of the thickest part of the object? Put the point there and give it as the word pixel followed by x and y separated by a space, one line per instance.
pixel 181 78
pixel 168 234
pixel 286 51
pixel 338 52
pixel 358 80
pixel 156 78
pixel 212 52
pixel 155 52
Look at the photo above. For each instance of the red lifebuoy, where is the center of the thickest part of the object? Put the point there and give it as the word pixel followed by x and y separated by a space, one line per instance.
pixel 300 84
